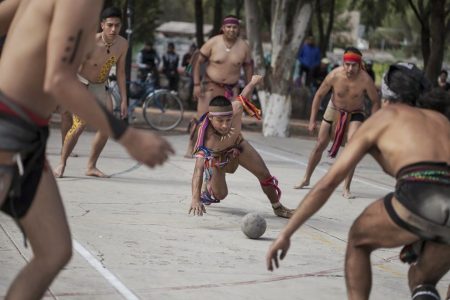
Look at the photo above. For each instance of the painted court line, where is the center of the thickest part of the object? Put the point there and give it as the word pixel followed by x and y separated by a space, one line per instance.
pixel 113 280
pixel 302 163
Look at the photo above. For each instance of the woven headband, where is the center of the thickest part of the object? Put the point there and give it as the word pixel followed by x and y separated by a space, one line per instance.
pixel 221 110
pixel 230 20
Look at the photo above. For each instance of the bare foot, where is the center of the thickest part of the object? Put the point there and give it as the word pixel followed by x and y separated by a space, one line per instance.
pixel 301 184
pixel 348 195
pixel 96 173
pixel 59 171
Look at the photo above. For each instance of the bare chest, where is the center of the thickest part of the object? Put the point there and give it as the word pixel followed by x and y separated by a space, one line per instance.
pixel 347 95
pixel 97 67
pixel 217 143
pixel 233 57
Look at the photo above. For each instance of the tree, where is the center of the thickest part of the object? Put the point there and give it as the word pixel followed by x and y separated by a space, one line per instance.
pixel 324 34
pixel 290 21
pixel 237 8
pixel 199 23
pixel 432 18
pixel 217 22
pixel 145 17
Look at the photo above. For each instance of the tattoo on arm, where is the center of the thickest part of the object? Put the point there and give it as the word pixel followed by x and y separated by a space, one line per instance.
pixel 118 127
pixel 73 44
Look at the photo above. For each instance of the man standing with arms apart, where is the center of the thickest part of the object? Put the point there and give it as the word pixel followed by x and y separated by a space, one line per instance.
pixel 345 111
pixel 224 55
pixel 110 50
pixel 36 74
pixel 412 144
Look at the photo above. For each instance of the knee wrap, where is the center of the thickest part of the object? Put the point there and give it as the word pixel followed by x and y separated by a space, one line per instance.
pixel 273 182
pixel 425 292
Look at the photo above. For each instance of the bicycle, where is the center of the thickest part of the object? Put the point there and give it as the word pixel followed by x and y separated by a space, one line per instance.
pixel 162 109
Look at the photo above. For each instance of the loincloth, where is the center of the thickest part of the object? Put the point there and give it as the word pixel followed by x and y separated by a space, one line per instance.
pixel 422 201
pixel 25 134
pixel 339 120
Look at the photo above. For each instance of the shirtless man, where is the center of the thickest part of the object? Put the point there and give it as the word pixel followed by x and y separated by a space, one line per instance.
pixel 36 74
pixel 345 111
pixel 224 55
pixel 412 144
pixel 220 149
pixel 111 49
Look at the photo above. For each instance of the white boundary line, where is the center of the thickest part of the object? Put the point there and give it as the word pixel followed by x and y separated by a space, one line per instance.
pixel 113 280
pixel 129 295
pixel 302 163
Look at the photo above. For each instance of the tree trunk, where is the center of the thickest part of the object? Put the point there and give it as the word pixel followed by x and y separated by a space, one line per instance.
pixel 217 23
pixel 324 35
pixel 437 42
pixel 237 8
pixel 199 23
pixel 288 30
pixel 253 25
pixel 422 13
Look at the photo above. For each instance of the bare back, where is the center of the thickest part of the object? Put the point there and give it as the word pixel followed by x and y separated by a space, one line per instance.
pixel 97 66
pixel 19 64
pixel 413 135
pixel 225 66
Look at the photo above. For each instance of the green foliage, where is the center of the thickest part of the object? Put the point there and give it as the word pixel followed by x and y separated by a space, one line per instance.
pixel 146 15
pixel 373 12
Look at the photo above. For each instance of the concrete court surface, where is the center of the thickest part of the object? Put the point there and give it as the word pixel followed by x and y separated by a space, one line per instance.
pixel 133 238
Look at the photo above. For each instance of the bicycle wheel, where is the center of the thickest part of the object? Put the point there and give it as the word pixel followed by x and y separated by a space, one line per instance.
pixel 163 110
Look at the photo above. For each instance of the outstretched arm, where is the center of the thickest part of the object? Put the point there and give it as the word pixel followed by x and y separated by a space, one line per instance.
pixel 360 144
pixel 250 87
pixel 197 207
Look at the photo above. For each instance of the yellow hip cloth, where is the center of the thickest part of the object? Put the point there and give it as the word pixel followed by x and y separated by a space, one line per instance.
pixel 100 92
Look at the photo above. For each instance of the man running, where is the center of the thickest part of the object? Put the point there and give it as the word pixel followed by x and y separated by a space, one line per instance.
pixel 412 144
pixel 221 148
pixel 345 111
pixel 36 74
pixel 110 49
pixel 224 55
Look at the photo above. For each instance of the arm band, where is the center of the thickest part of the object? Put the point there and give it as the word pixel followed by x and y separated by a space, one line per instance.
pixel 118 127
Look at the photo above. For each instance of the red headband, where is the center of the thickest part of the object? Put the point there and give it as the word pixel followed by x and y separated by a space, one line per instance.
pixel 230 20
pixel 352 57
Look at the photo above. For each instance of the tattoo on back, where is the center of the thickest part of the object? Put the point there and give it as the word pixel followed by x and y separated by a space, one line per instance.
pixel 73 43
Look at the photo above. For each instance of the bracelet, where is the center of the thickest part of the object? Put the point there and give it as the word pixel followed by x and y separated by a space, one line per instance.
pixel 196 84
